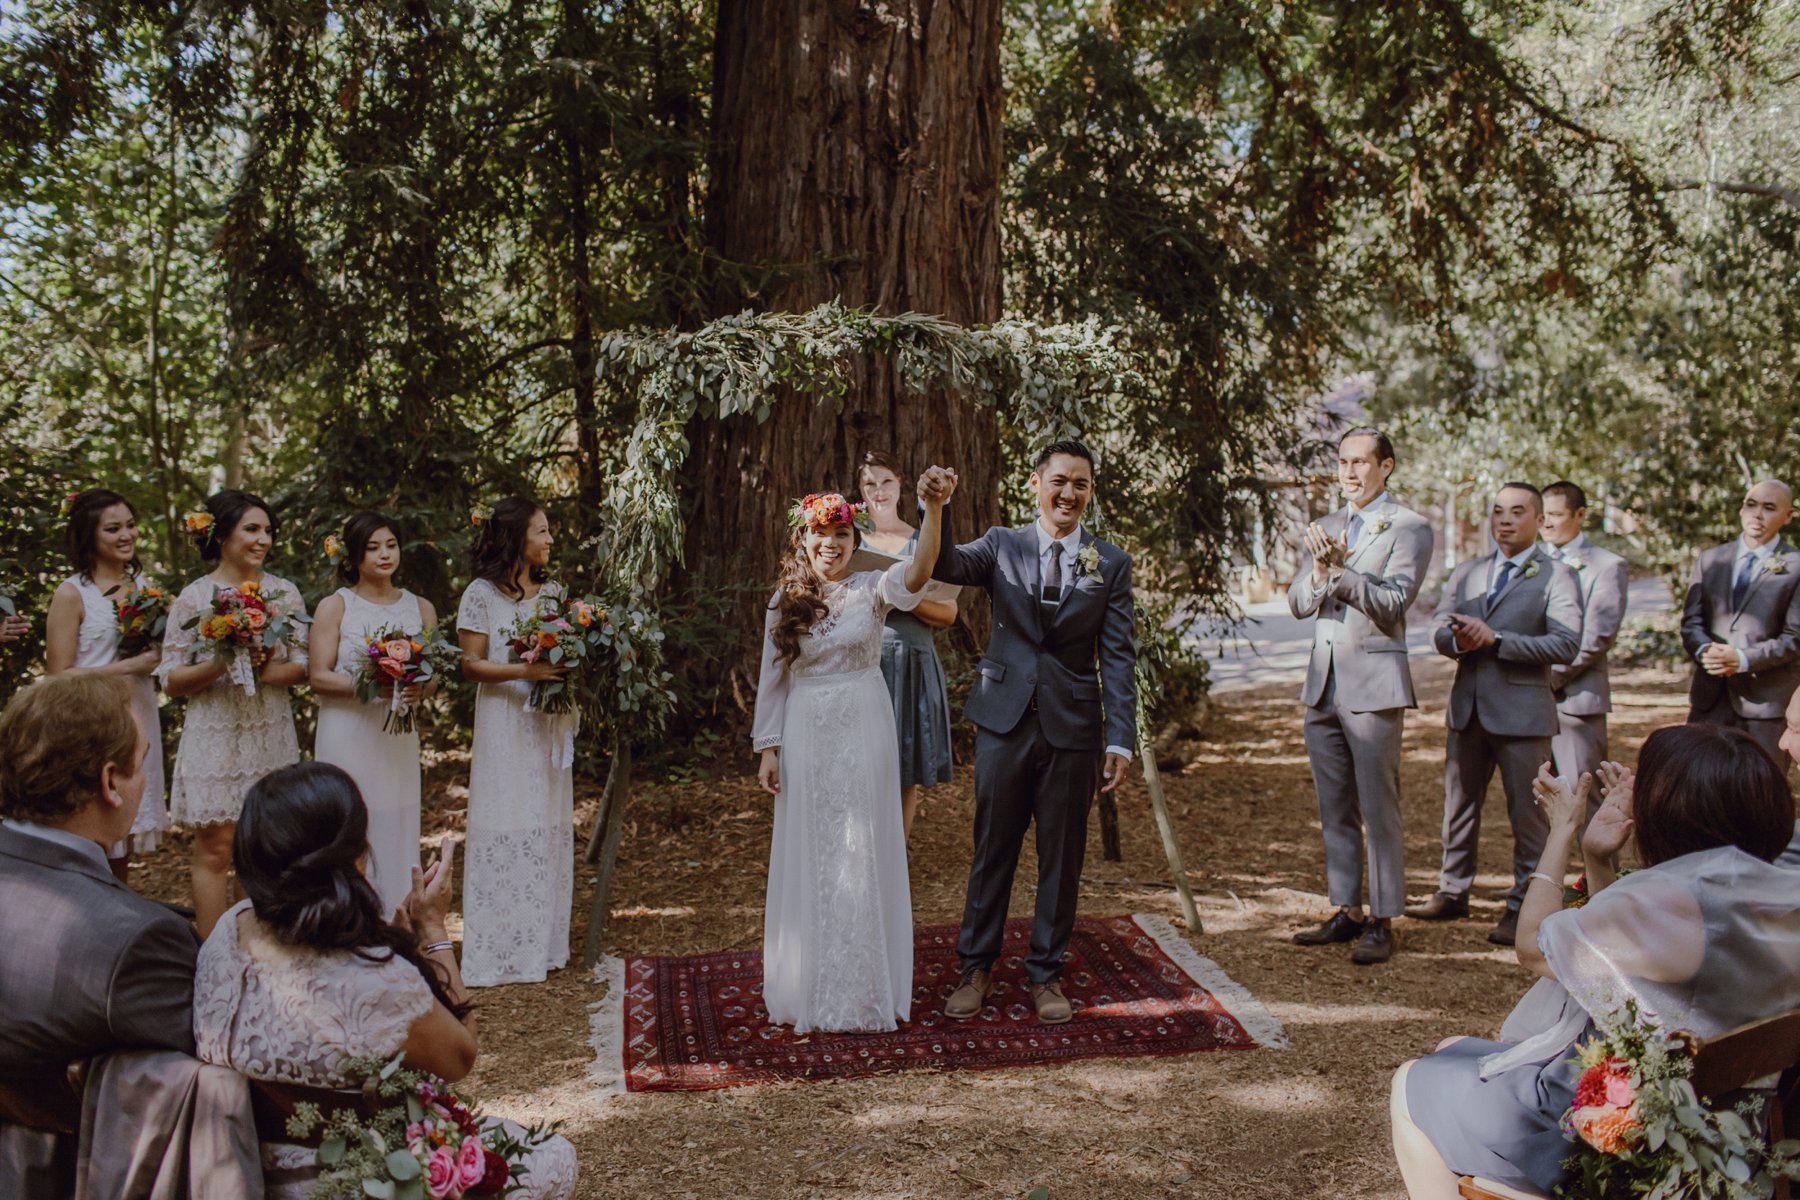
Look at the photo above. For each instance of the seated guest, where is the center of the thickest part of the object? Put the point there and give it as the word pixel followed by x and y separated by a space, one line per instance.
pixel 1695 939
pixel 87 966
pixel 1790 742
pixel 305 975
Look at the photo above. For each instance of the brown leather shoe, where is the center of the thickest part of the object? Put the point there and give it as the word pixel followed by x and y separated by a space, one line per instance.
pixel 1053 1008
pixel 1441 907
pixel 970 995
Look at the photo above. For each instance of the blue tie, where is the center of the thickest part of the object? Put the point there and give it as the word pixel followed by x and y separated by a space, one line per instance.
pixel 1740 585
pixel 1506 570
pixel 1355 530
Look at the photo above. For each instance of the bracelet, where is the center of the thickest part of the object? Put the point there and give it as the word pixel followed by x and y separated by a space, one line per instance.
pixel 1546 878
pixel 434 947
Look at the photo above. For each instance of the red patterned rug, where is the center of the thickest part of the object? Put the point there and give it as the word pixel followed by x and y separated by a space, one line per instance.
pixel 687 1024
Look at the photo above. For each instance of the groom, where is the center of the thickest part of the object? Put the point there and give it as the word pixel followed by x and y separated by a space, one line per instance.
pixel 1056 685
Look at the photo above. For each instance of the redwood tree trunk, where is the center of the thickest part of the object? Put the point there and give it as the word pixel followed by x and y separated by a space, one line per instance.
pixel 855 154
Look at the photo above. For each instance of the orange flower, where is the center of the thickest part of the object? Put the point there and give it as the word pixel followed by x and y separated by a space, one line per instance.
pixel 1606 1128
pixel 255 617
pixel 249 587
pixel 546 639
pixel 391 668
pixel 416 646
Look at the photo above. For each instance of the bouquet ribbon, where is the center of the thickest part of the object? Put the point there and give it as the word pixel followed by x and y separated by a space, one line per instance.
pixel 562 739
pixel 239 671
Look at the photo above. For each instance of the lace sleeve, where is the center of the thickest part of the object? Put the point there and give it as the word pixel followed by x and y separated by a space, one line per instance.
pixel 472 613
pixel 890 591
pixel 771 691
pixel 385 1008
pixel 178 642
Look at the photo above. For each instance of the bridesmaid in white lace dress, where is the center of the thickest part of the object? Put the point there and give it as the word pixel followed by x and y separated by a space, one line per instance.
pixel 519 861
pixel 306 975
pixel 350 734
pixel 81 633
pixel 837 927
pixel 229 739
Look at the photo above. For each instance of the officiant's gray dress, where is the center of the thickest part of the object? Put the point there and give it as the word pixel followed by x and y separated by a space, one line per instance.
pixel 915 682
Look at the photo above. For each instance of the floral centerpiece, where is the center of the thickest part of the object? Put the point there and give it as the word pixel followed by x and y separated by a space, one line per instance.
pixel 397 659
pixel 240 619
pixel 143 618
pixel 1640 1130
pixel 567 632
pixel 425 1143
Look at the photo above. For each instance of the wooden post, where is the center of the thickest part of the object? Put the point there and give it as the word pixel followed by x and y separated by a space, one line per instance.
pixel 1158 805
pixel 613 802
pixel 597 832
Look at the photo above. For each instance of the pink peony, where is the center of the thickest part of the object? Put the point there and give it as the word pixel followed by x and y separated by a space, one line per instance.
pixel 442 1179
pixel 471 1163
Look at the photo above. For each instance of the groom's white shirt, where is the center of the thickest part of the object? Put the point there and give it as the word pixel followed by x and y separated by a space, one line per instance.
pixel 1071 544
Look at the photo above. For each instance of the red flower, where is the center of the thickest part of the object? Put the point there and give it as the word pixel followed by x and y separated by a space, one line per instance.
pixel 493 1180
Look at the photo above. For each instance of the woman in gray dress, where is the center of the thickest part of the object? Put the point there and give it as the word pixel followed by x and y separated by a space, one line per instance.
pixel 909 658
pixel 1693 939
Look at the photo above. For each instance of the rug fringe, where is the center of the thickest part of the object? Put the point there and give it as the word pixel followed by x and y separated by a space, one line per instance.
pixel 606 1028
pixel 1257 1021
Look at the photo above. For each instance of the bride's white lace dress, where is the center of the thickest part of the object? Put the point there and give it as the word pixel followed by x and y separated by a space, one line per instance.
pixel 837 929
pixel 294 1015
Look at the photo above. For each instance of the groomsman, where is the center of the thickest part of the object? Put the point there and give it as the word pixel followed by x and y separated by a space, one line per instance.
pixel 1506 618
pixel 1583 689
pixel 1741 622
pixel 1360 573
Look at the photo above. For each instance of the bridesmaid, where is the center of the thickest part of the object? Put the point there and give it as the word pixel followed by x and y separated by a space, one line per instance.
pixel 519 863
pixel 384 765
pixel 229 739
pixel 81 633
pixel 909 658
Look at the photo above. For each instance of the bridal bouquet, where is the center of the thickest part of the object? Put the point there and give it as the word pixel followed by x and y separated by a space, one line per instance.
pixel 1640 1130
pixel 241 618
pixel 425 1143
pixel 401 659
pixel 143 616
pixel 568 632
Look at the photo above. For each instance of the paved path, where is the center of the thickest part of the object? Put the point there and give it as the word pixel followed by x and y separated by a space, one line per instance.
pixel 1272 646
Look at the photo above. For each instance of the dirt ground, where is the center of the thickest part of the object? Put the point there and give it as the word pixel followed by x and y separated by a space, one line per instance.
pixel 1309 1121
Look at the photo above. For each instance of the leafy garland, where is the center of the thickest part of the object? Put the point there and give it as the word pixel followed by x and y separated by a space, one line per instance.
pixel 1046 376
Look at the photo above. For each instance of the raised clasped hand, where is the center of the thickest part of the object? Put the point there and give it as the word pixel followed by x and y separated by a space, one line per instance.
pixel 936 485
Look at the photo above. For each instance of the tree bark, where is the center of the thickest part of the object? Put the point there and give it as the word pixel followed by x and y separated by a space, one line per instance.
pixel 855 154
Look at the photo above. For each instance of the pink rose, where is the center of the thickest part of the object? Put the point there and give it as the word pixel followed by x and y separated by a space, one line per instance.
pixel 400 650
pixel 1618 1091
pixel 442 1179
pixel 471 1163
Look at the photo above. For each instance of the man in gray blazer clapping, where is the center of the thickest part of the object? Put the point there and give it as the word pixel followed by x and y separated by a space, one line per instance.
pixel 1506 618
pixel 1360 573
pixel 1741 622
pixel 1583 688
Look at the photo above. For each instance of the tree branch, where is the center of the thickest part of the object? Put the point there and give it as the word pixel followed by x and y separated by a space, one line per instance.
pixel 1773 191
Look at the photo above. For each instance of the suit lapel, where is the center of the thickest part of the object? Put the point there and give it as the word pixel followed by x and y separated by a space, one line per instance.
pixel 1369 536
pixel 1518 576
pixel 1073 574
pixel 1030 571
pixel 1779 554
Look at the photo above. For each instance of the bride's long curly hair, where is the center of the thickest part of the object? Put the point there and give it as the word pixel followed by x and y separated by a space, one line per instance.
pixel 799 595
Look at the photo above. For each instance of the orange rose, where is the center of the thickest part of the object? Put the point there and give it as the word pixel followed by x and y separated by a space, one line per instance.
pixel 391 667
pixel 546 639
pixel 256 617
pixel 1606 1128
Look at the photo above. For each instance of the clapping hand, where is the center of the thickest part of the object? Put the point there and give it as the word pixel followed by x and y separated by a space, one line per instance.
pixel 1327 552
pixel 936 486
pixel 1610 829
pixel 426 911
pixel 1563 807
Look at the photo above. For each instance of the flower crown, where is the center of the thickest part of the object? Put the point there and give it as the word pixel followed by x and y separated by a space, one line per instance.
pixel 68 504
pixel 481 514
pixel 198 526
pixel 819 511
pixel 335 550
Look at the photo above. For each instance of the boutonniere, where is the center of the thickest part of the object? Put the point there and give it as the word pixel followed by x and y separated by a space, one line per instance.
pixel 1531 569
pixel 1775 566
pixel 1087 560
pixel 1380 525
pixel 1575 561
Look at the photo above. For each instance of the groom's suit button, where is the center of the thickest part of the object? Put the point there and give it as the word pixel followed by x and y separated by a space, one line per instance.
pixel 1031 679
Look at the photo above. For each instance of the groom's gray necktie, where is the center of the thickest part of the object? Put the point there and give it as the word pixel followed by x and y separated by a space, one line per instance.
pixel 1053 581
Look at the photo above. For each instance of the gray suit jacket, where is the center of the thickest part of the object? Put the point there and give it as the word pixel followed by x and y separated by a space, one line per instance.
pixel 1539 619
pixel 1583 687
pixel 87 966
pixel 1766 629
pixel 1360 632
pixel 1071 662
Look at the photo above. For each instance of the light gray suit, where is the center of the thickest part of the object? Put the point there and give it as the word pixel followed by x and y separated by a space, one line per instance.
pixel 1765 626
pixel 1583 688
pixel 1502 712
pixel 1358 687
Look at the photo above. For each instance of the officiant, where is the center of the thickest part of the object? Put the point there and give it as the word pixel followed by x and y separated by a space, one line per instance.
pixel 909 657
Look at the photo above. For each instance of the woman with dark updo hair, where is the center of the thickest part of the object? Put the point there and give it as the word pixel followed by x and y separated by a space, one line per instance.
pixel 306 975
pixel 229 737
pixel 81 635
pixel 351 733
pixel 519 880
pixel 1704 938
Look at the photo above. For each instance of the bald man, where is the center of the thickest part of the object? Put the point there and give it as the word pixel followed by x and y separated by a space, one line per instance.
pixel 1741 623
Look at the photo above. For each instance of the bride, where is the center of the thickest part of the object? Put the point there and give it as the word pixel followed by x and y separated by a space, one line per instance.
pixel 837 929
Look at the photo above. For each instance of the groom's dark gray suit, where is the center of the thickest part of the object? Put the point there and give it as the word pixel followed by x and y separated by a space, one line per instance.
pixel 1056 687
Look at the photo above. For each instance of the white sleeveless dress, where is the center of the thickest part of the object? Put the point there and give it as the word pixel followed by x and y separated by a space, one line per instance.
pixel 97 645
pixel 519 857
pixel 384 765
pixel 291 1014
pixel 837 926
pixel 228 740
